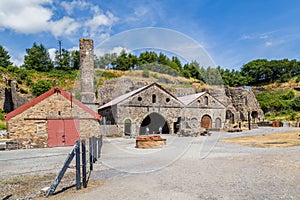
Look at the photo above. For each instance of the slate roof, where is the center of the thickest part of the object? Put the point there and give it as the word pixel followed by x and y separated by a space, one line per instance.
pixel 130 94
pixel 186 100
pixel 46 95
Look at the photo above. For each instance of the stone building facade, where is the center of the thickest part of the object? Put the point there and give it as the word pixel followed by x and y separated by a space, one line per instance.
pixel 152 109
pixel 52 119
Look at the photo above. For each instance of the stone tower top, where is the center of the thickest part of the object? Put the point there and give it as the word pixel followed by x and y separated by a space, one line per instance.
pixel 87 93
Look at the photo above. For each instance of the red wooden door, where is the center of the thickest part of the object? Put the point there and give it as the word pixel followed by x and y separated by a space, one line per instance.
pixel 71 131
pixel 206 122
pixel 62 132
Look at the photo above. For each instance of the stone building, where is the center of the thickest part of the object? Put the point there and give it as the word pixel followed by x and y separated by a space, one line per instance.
pixel 52 119
pixel 152 108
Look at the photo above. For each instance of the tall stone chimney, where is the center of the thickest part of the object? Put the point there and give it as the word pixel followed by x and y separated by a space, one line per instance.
pixel 87 93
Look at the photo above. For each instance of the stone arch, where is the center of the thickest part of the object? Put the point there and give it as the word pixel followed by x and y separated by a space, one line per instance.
pixel 153 121
pixel 218 123
pixel 206 121
pixel 127 126
pixel 230 116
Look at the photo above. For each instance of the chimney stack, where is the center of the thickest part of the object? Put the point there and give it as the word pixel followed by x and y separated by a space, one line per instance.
pixel 87 93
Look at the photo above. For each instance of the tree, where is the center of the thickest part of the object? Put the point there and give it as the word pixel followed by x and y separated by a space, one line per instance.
pixel 75 59
pixel 4 58
pixel 37 58
pixel 62 60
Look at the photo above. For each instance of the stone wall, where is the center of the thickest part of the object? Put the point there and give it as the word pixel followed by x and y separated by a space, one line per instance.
pixel 32 132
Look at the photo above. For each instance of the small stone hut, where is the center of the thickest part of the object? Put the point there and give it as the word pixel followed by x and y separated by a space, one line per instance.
pixel 54 118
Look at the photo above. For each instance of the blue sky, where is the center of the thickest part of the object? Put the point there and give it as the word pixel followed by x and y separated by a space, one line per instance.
pixel 231 32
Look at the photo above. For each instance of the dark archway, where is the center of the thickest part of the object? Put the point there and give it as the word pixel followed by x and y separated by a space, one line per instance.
pixel 206 121
pixel 154 121
pixel 127 127
pixel 230 116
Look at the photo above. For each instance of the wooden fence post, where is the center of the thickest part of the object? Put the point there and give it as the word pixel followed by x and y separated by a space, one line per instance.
pixel 77 160
pixel 83 149
pixel 62 172
pixel 91 153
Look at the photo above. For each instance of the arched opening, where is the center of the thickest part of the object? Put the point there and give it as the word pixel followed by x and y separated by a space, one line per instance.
pixel 153 98
pixel 152 123
pixel 230 116
pixel 218 123
pixel 206 101
pixel 206 121
pixel 127 127
pixel 254 114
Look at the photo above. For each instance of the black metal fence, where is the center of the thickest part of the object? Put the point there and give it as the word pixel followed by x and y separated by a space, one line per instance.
pixel 80 154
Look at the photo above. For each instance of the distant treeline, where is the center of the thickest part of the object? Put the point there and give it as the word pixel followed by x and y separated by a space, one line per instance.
pixel 256 72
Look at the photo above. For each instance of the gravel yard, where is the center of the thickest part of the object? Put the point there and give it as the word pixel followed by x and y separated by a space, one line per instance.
pixel 197 168
pixel 188 168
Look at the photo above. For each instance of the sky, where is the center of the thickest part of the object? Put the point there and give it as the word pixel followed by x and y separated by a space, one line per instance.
pixel 229 33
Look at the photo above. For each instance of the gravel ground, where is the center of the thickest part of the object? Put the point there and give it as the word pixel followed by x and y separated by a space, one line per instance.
pixel 196 168
pixel 187 168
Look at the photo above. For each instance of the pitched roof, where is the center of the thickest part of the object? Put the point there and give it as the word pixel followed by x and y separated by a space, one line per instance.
pixel 190 98
pixel 46 95
pixel 130 94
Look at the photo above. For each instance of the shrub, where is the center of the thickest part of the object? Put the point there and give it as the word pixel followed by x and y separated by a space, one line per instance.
pixel 146 73
pixel 41 87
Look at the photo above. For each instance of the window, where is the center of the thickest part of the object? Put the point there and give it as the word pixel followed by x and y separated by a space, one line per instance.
pixel 206 100
pixel 40 127
pixel 167 100
pixel 140 98
pixel 153 98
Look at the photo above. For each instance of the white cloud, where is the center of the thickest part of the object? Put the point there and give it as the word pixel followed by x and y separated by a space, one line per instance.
pixel 51 52
pixel 34 16
pixel 99 23
pixel 70 6
pixel 268 44
pixel 65 26
pixel 25 16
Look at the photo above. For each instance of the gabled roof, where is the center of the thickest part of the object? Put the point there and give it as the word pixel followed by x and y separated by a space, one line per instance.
pixel 132 93
pixel 190 98
pixel 46 95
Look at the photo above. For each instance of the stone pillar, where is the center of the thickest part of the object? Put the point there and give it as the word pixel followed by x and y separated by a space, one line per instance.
pixel 87 93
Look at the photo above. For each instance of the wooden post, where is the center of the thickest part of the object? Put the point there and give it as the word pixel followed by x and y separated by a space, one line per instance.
pixel 99 145
pixel 77 156
pixel 94 149
pixel 62 172
pixel 91 153
pixel 83 149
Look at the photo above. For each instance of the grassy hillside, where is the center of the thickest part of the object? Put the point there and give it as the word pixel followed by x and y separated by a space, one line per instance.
pixel 280 101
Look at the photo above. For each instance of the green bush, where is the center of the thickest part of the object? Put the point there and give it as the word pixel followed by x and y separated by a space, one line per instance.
pixel 41 87
pixel 146 74
pixel 2 114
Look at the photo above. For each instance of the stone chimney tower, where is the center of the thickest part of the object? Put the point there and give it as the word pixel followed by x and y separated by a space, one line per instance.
pixel 87 93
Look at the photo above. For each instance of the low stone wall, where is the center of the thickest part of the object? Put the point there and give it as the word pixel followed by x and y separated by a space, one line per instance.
pixel 110 130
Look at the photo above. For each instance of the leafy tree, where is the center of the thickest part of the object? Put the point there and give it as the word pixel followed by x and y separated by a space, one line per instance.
pixel 4 58
pixel 106 60
pixel 37 58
